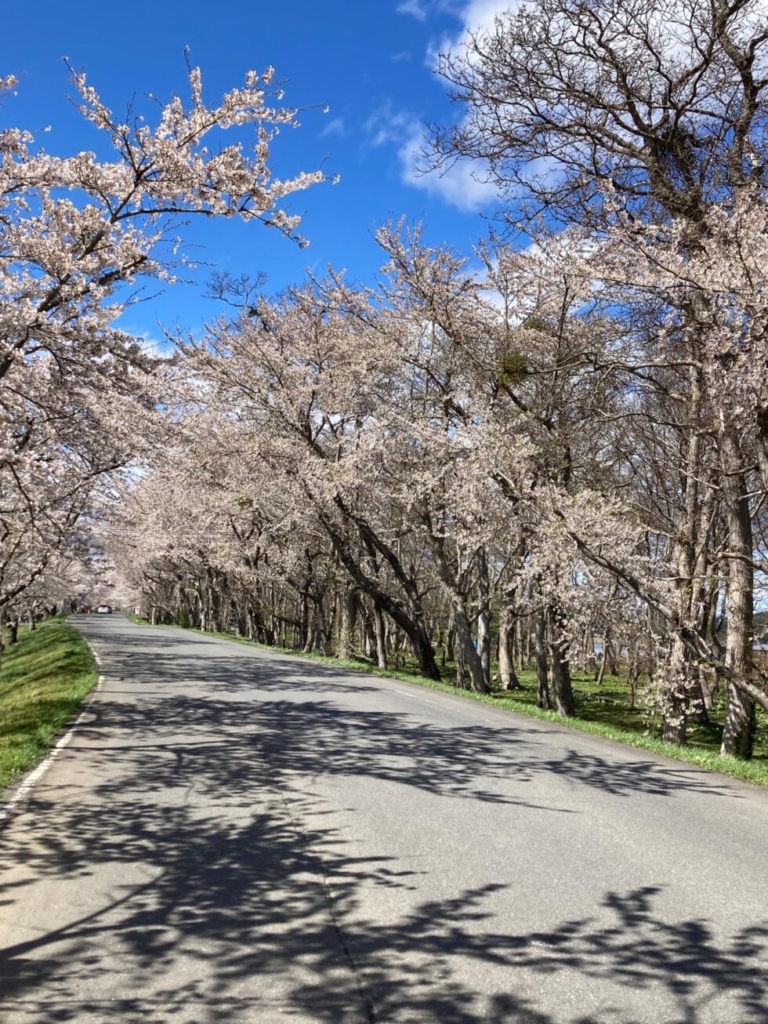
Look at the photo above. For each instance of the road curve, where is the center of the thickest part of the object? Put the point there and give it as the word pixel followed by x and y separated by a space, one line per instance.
pixel 235 835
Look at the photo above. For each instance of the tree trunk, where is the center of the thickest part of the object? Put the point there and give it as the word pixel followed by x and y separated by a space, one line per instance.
pixel 471 656
pixel 675 686
pixel 738 734
pixel 348 624
pixel 380 630
pixel 562 689
pixel 611 662
pixel 322 638
pixel 304 620
pixel 369 636
pixel 708 686
pixel 603 662
pixel 633 675
pixel 542 669
pixel 675 696
pixel 460 680
pixel 507 674
pixel 450 637
pixel 484 618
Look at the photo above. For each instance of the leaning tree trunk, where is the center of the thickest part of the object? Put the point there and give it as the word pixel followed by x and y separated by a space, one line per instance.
pixel 738 734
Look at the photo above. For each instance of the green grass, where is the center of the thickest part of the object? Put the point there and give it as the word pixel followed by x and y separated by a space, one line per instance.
pixel 43 679
pixel 601 711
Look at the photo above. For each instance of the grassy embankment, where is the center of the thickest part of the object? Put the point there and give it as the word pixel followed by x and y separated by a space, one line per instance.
pixel 43 679
pixel 601 710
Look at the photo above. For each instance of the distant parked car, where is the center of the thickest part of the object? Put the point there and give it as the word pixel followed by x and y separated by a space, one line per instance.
pixel 104 609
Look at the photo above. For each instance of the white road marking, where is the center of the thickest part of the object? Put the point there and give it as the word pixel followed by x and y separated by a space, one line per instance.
pixel 34 776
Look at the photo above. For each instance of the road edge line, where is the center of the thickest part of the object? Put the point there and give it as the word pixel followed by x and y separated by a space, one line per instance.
pixel 9 808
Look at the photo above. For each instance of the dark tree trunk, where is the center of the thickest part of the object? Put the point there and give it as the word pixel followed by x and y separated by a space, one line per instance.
pixel 562 689
pixel 301 640
pixel 348 628
pixel 369 636
pixel 380 630
pixel 450 637
pixel 507 674
pixel 542 668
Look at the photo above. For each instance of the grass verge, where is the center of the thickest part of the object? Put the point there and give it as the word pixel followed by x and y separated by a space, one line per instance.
pixel 603 711
pixel 43 679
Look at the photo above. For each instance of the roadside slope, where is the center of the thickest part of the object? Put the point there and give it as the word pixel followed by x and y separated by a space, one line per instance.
pixel 43 680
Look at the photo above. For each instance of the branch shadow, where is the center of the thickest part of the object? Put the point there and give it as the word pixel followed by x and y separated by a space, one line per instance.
pixel 193 884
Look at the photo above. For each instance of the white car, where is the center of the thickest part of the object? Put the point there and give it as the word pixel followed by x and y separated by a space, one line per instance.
pixel 104 609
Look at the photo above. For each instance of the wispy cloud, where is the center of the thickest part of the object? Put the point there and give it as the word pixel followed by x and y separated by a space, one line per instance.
pixel 334 127
pixel 422 9
pixel 415 8
pixel 402 55
pixel 387 126
pixel 463 185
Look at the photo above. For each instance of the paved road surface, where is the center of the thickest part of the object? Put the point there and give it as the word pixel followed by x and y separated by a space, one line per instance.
pixel 239 836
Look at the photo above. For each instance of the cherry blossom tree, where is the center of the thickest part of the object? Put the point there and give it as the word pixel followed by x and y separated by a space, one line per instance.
pixel 647 120
pixel 77 236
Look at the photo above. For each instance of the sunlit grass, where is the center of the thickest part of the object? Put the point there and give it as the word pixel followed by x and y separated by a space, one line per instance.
pixel 43 680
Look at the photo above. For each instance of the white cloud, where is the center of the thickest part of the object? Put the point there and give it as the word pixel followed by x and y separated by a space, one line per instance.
pixel 386 126
pixel 472 14
pixel 462 185
pixel 402 55
pixel 475 16
pixel 416 8
pixel 334 127
pixel 480 14
pixel 149 342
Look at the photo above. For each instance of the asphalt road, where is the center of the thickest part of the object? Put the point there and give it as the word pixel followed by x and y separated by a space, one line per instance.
pixel 239 836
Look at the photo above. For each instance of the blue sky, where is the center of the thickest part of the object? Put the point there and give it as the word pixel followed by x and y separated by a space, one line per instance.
pixel 368 61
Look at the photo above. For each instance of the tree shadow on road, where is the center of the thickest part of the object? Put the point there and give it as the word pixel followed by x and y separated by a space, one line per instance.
pixel 193 882
pixel 274 695
pixel 244 904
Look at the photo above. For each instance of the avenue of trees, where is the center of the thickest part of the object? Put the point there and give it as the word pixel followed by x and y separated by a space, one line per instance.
pixel 77 236
pixel 508 456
